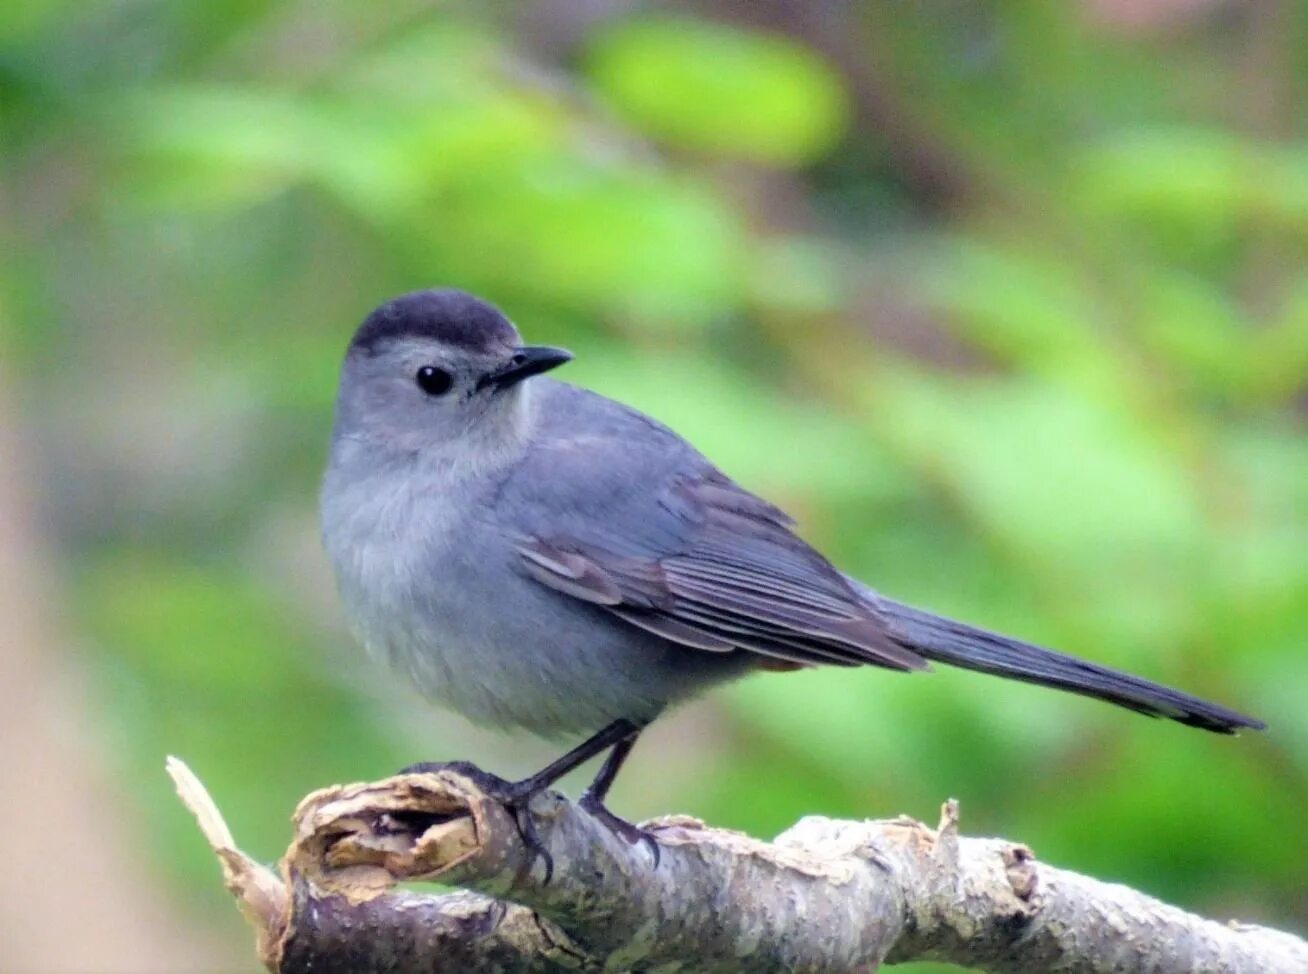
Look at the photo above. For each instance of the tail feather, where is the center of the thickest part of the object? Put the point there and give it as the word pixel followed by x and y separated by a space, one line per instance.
pixel 965 646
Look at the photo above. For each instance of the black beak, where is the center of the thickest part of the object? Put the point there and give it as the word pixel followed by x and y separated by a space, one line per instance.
pixel 527 361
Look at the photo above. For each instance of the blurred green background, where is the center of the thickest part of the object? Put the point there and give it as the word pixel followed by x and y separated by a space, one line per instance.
pixel 1007 303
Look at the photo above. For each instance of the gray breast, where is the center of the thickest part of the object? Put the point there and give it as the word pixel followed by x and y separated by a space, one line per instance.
pixel 436 589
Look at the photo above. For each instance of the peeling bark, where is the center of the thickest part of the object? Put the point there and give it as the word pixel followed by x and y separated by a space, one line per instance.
pixel 825 896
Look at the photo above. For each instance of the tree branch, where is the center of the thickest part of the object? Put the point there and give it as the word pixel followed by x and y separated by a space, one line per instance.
pixel 825 896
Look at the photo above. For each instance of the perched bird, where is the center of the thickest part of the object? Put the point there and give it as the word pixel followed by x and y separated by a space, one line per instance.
pixel 535 555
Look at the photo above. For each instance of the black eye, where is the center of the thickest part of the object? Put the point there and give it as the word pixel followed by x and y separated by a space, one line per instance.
pixel 434 381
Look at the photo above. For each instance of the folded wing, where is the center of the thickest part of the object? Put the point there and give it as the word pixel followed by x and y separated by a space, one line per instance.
pixel 731 576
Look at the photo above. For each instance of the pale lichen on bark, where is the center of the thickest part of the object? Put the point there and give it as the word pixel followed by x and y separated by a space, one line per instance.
pixel 826 895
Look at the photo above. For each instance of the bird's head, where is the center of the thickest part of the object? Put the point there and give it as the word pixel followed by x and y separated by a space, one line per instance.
pixel 432 369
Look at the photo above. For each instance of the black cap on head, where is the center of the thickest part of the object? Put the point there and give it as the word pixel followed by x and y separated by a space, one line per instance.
pixel 453 318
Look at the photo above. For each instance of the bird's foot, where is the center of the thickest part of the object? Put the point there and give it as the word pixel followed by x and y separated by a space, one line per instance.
pixel 631 834
pixel 516 796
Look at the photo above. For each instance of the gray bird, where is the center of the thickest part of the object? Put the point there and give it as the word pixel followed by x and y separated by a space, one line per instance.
pixel 535 555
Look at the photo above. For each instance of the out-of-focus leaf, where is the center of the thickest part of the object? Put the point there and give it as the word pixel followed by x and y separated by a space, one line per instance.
pixel 1047 470
pixel 721 89
pixel 222 147
pixel 1031 308
pixel 197 662
pixel 663 249
pixel 1079 491
pixel 1196 329
pixel 711 403
pixel 400 159
pixel 215 147
pixel 432 64
pixel 1192 175
pixel 1280 350
pixel 1200 179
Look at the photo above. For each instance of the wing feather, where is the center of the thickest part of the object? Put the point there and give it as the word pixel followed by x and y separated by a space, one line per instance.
pixel 679 630
pixel 569 572
pixel 729 576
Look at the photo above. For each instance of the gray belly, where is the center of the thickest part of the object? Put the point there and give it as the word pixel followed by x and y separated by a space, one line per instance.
pixel 479 636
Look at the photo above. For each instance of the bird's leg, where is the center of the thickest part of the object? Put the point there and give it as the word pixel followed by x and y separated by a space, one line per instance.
pixel 592 799
pixel 517 795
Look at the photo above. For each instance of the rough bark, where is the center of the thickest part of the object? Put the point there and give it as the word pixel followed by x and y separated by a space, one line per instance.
pixel 825 896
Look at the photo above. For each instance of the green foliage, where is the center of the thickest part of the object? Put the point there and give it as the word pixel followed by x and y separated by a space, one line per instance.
pixel 719 90
pixel 1068 403
pixel 205 664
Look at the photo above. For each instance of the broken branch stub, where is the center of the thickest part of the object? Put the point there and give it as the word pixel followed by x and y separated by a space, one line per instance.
pixel 825 896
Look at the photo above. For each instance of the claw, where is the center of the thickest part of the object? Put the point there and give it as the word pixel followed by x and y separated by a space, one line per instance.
pixel 531 838
pixel 618 737
pixel 631 834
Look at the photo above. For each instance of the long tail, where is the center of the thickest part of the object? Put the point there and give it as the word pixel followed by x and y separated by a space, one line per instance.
pixel 961 645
